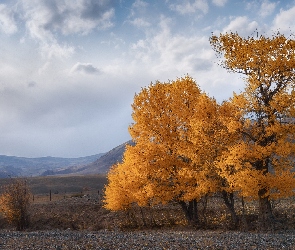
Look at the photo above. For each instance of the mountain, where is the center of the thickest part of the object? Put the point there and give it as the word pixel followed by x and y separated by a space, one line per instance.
pixel 101 165
pixel 22 166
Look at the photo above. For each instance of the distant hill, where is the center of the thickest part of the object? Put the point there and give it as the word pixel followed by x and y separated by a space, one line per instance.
pixel 104 163
pixel 22 166
pixel 101 166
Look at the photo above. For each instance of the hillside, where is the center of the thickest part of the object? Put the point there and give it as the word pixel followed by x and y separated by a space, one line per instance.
pixel 100 166
pixel 22 166
pixel 44 166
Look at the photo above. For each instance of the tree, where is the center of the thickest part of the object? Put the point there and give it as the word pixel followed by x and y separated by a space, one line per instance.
pixel 179 134
pixel 15 203
pixel 259 165
pixel 208 139
pixel 161 116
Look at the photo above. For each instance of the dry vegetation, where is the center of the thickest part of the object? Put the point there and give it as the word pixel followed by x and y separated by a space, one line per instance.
pixel 76 204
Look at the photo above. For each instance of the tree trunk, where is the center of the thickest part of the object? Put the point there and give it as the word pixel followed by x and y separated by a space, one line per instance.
pixel 191 211
pixel 142 217
pixel 244 224
pixel 266 218
pixel 229 201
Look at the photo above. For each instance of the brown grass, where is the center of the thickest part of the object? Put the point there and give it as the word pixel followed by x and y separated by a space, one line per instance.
pixel 76 204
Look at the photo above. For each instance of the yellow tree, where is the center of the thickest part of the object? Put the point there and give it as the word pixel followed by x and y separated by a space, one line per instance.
pixel 127 182
pixel 262 161
pixel 208 139
pixel 179 134
pixel 161 116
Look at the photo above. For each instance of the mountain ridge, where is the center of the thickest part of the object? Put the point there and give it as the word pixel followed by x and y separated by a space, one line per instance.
pixel 101 165
pixel 11 166
pixel 14 166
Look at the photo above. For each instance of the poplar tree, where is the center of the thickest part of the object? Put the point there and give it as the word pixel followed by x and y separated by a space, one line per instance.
pixel 260 165
pixel 161 114
pixel 179 133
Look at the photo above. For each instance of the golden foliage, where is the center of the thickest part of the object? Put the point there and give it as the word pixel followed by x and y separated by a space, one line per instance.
pixel 263 160
pixel 15 202
pixel 180 134
pixel 188 145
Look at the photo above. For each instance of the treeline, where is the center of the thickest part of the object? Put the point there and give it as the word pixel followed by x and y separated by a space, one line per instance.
pixel 188 146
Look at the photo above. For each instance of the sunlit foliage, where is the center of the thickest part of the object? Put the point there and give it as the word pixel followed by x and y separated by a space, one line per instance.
pixel 188 146
pixel 15 203
pixel 260 166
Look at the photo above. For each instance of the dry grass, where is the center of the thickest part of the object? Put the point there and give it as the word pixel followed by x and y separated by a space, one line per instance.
pixel 76 204
pixel 86 213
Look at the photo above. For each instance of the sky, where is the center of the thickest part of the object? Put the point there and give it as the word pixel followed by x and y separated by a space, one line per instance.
pixel 69 69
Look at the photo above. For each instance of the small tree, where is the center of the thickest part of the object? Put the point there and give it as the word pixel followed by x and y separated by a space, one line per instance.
pixel 15 203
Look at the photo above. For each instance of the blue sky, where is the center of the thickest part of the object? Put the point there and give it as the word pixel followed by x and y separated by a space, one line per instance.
pixel 70 68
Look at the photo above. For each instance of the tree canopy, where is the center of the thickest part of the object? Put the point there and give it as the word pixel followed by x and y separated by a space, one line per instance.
pixel 187 145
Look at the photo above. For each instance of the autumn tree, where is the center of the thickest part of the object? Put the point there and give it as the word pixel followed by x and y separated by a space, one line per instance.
pixel 179 133
pixel 260 165
pixel 161 116
pixel 207 141
pixel 15 203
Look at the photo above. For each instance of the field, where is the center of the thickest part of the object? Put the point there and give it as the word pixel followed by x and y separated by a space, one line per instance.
pixel 75 202
pixel 61 186
pixel 74 218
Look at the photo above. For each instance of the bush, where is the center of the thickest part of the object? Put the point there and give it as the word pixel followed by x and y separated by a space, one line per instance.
pixel 15 203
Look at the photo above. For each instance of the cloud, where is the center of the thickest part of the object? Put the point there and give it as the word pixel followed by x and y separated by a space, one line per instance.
pixel 187 6
pixel 7 21
pixel 31 84
pixel 139 4
pixel 284 21
pixel 140 23
pixel 219 3
pixel 267 8
pixel 47 21
pixel 67 17
pixel 86 68
pixel 56 50
pixel 165 52
pixel 140 16
pixel 242 25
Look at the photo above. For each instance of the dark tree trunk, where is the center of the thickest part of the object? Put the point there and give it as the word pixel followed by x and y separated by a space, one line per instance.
pixel 244 224
pixel 229 201
pixel 191 211
pixel 266 218
pixel 142 217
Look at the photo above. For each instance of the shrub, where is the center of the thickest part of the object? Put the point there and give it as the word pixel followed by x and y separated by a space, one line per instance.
pixel 15 203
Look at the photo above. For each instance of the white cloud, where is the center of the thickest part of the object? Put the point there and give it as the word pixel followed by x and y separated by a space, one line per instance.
pixel 165 52
pixel 46 21
pixel 67 17
pixel 267 8
pixel 284 21
pixel 187 6
pixel 219 2
pixel 139 4
pixel 86 68
pixel 7 22
pixel 138 7
pixel 56 50
pixel 242 25
pixel 140 23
